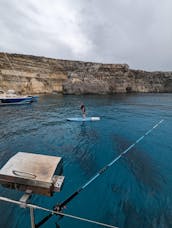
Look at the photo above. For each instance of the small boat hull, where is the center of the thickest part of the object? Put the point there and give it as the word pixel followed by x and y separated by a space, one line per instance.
pixel 15 101
pixel 11 98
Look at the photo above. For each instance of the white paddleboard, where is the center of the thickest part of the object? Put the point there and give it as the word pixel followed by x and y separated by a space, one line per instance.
pixel 81 119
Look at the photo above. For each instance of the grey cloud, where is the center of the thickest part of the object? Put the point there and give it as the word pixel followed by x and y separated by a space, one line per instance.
pixel 132 33
pixel 127 31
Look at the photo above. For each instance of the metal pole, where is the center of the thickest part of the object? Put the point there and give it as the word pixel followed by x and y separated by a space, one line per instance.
pixel 32 219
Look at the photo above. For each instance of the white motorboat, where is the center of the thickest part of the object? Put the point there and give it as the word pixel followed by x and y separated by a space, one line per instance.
pixel 11 98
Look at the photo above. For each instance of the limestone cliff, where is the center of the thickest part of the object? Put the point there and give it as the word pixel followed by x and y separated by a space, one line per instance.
pixel 30 75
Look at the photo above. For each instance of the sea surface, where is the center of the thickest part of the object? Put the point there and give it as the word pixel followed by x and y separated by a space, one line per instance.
pixel 136 192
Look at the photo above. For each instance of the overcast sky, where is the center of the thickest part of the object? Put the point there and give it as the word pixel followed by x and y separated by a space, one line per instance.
pixel 136 32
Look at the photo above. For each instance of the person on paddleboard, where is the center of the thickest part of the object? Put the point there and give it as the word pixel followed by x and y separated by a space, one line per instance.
pixel 83 110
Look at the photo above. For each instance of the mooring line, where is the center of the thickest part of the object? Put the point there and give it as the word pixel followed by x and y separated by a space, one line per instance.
pixel 60 206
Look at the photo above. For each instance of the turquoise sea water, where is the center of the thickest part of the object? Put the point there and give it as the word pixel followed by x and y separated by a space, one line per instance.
pixel 135 192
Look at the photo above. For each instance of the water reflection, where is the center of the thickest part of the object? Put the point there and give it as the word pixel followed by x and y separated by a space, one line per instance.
pixel 83 151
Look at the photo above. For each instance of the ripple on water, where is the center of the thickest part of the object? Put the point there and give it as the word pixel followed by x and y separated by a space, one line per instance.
pixel 135 192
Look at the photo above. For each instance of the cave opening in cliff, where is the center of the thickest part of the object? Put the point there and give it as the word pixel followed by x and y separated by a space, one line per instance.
pixel 129 89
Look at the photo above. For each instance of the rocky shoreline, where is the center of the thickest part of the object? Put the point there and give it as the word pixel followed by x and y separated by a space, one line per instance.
pixel 35 75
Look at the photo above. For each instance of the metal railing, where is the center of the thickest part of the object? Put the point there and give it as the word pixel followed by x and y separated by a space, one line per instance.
pixel 33 206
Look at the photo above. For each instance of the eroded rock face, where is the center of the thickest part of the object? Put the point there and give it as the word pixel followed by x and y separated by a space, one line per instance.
pixel 30 75
pixel 114 78
pixel 87 86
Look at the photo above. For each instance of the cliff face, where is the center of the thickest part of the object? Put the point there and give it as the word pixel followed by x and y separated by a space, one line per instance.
pixel 116 78
pixel 30 75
